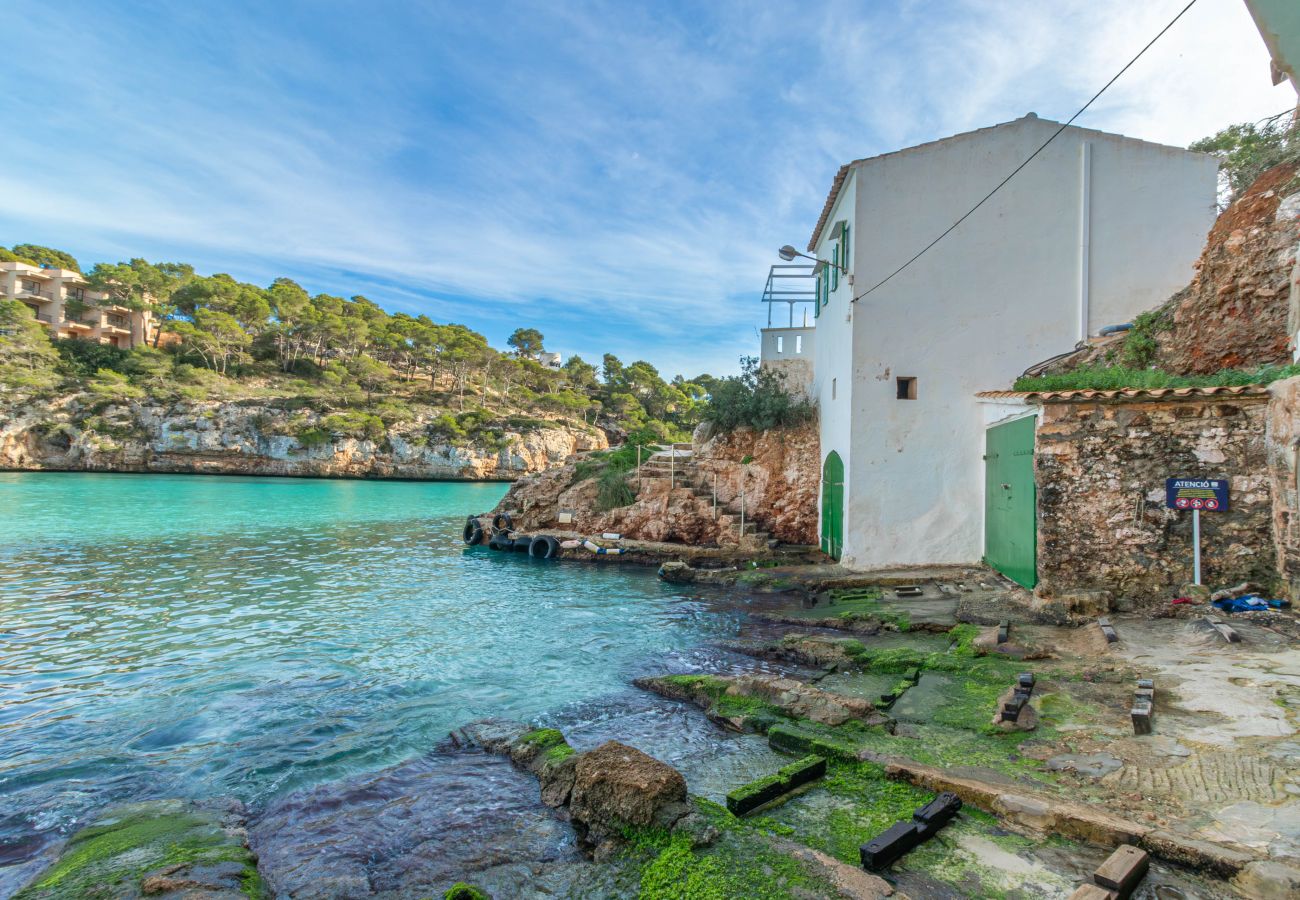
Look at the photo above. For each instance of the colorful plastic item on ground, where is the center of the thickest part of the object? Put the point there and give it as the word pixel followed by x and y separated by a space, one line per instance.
pixel 1182 600
pixel 1250 603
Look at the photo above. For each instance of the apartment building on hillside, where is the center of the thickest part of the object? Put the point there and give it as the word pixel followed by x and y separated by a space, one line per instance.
pixel 61 301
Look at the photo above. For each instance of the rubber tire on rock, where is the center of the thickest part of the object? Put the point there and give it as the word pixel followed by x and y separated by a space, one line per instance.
pixel 502 522
pixel 521 543
pixel 500 541
pixel 543 547
pixel 473 534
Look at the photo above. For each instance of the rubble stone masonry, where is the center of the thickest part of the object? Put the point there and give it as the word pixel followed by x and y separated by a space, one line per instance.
pixel 1283 455
pixel 1101 467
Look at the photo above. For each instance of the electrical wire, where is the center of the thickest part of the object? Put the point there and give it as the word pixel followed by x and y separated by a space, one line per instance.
pixel 947 231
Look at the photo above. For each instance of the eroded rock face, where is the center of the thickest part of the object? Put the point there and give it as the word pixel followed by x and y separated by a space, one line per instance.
pixel 616 786
pixel 779 481
pixel 235 438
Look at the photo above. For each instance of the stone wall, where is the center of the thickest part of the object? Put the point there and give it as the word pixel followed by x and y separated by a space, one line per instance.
pixel 1101 467
pixel 1283 456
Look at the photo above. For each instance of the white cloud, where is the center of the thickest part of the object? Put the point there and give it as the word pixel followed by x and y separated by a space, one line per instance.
pixel 633 169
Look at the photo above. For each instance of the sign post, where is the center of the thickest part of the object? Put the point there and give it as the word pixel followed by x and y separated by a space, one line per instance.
pixel 1197 494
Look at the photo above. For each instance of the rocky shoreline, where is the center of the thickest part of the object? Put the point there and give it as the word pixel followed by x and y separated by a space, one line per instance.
pixel 884 693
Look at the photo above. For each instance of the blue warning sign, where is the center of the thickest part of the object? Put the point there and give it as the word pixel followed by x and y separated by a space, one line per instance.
pixel 1205 494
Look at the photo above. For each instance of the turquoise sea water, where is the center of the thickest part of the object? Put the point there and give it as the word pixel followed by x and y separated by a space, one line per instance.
pixel 197 636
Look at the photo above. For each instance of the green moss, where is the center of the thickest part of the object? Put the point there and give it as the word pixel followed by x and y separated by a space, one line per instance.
pixel 871 804
pixel 705 684
pixel 559 754
pixel 117 853
pixel 789 776
pixel 462 891
pixel 741 865
pixel 543 737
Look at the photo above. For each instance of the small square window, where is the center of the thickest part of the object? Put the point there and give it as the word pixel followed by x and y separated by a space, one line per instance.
pixel 832 388
pixel 780 344
pixel 798 343
pixel 906 388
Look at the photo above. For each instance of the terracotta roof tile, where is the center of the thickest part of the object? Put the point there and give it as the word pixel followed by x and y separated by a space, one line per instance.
pixel 1239 390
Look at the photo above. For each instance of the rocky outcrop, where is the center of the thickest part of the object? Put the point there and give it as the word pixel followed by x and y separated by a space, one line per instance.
pixel 777 471
pixel 607 790
pixel 1234 313
pixel 616 787
pixel 79 432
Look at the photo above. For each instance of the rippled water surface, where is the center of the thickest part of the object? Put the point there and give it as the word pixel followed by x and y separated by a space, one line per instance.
pixel 194 636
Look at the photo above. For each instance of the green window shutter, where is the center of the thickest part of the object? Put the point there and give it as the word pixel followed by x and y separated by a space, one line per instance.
pixel 844 242
pixel 817 303
pixel 835 269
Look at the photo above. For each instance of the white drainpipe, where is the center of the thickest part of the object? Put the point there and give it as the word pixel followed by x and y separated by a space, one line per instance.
pixel 1085 235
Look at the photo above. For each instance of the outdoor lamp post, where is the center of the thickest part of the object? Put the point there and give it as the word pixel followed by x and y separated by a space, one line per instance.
pixel 788 253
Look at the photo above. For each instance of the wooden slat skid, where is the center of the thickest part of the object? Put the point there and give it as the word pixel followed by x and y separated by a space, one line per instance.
pixel 1122 870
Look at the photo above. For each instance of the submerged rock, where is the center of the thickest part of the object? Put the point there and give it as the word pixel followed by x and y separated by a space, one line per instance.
pixel 755 702
pixel 616 786
pixel 162 848
pixel 415 830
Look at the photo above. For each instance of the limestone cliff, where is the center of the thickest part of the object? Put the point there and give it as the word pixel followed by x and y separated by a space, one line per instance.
pixel 78 432
pixel 776 471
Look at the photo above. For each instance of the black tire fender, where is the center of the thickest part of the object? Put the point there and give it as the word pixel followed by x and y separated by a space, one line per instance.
pixel 502 522
pixel 521 543
pixel 499 541
pixel 473 533
pixel 544 547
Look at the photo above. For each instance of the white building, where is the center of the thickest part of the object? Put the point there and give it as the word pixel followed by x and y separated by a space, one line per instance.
pixel 1096 229
pixel 1278 22
pixel 62 303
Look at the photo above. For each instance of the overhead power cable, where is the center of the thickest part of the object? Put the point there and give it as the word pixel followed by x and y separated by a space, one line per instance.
pixel 949 230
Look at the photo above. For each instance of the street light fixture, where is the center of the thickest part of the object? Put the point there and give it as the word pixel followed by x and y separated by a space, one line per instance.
pixel 788 253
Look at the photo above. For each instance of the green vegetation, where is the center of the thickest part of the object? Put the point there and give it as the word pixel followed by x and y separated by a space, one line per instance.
pixel 114 856
pixel 462 891
pixel 741 864
pixel 757 398
pixel 358 367
pixel 767 788
pixel 1113 378
pixel 1140 344
pixel 1248 149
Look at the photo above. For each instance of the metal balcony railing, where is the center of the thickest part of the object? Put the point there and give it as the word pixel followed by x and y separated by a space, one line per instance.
pixel 789 283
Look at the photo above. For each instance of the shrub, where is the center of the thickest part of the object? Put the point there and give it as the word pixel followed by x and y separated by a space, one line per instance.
pixel 84 358
pixel 1248 149
pixel 613 490
pixel 1140 344
pixel 757 398
pixel 353 424
pixel 112 385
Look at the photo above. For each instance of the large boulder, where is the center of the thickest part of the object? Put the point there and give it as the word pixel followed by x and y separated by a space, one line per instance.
pixel 616 786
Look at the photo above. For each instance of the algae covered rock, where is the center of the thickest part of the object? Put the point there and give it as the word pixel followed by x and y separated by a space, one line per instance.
pixel 616 786
pixel 163 848
pixel 545 753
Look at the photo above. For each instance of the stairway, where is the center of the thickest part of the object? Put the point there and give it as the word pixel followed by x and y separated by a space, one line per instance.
pixel 683 471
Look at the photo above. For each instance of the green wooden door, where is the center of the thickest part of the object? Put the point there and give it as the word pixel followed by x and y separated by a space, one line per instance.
pixel 1011 501
pixel 833 506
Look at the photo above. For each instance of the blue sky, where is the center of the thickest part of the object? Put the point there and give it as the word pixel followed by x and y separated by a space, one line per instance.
pixel 618 174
